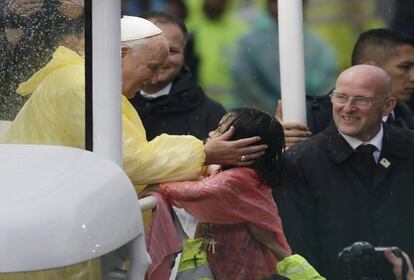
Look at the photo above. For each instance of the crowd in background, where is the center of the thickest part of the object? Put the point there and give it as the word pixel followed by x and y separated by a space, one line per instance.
pixel 232 50
pixel 240 66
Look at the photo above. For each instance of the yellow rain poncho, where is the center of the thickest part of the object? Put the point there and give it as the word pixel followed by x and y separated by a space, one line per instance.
pixel 54 114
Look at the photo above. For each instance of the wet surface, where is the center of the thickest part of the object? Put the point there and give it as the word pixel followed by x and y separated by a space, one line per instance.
pixel 30 30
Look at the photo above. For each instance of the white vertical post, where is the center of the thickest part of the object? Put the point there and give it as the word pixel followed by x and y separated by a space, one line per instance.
pixel 106 99
pixel 292 65
pixel 106 58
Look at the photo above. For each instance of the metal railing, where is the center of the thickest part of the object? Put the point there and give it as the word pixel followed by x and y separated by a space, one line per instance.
pixel 147 203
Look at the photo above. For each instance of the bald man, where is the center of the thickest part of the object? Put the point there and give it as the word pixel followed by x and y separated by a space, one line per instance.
pixel 354 180
pixel 388 49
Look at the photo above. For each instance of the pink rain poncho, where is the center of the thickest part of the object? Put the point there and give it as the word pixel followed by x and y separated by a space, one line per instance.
pixel 229 200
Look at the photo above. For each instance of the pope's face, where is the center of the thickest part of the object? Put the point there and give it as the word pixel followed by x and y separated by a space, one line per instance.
pixel 144 66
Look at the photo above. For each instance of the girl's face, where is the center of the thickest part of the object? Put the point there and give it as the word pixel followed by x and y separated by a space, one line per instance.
pixel 223 126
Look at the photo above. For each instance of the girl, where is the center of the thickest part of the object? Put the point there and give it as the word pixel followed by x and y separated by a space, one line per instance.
pixel 239 219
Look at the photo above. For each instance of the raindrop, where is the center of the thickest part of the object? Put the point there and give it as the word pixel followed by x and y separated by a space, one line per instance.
pixel 28 37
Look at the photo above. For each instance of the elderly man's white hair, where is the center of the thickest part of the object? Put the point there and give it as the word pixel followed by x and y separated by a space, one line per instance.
pixel 136 31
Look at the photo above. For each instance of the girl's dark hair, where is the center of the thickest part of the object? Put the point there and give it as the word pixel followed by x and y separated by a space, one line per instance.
pixel 249 122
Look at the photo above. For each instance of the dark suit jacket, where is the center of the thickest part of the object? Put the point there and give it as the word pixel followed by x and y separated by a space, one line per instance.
pixel 325 206
pixel 185 111
pixel 403 116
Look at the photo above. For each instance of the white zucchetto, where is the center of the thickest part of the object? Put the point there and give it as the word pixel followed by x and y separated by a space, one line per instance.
pixel 133 28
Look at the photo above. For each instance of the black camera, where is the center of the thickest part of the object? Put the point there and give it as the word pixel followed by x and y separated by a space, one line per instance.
pixel 362 261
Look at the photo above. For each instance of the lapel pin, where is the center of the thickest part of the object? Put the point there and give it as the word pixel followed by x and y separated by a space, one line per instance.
pixel 384 162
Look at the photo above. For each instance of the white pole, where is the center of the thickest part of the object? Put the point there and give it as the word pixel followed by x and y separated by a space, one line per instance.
pixel 106 99
pixel 106 57
pixel 292 65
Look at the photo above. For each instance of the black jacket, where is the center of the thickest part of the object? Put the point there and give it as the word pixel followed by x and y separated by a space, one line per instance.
pixel 318 112
pixel 403 116
pixel 186 110
pixel 325 206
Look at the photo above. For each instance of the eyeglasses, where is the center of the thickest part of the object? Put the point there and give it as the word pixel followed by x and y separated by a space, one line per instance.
pixel 342 99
